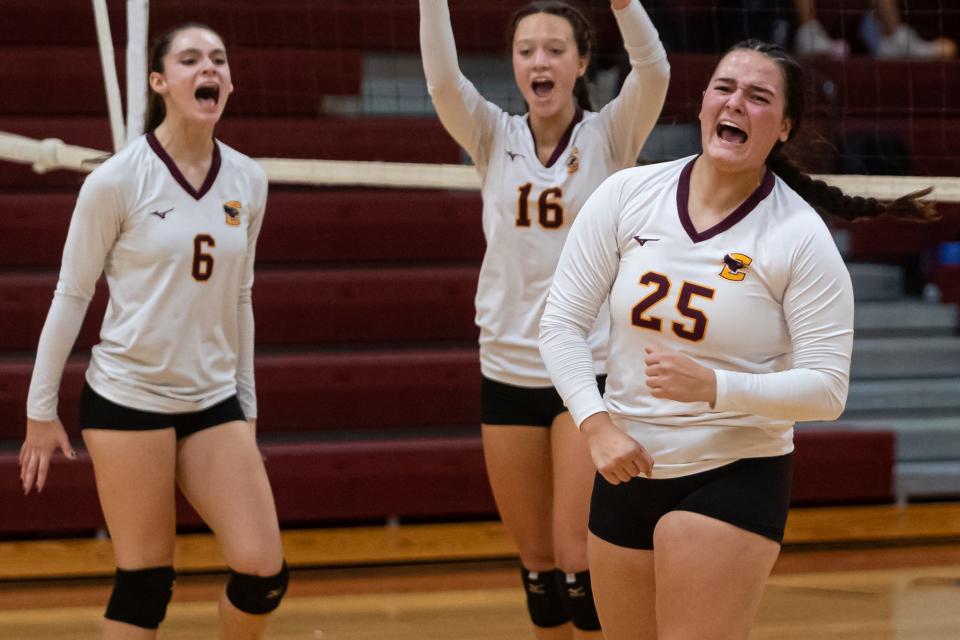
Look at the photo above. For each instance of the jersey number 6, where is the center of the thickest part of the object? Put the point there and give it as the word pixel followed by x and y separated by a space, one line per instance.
pixel 551 210
pixel 202 262
pixel 687 291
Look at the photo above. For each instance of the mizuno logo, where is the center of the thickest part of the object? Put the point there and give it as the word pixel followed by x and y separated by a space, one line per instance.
pixel 161 214
pixel 514 155
pixel 644 241
pixel 576 592
pixel 274 594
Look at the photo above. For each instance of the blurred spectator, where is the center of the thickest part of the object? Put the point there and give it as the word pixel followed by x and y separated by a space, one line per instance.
pixel 883 32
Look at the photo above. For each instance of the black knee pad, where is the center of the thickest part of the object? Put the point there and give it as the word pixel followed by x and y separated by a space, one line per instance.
pixel 257 594
pixel 545 600
pixel 140 597
pixel 579 597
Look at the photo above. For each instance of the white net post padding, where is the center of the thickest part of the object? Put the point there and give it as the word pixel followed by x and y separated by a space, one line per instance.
pixel 109 64
pixel 45 155
pixel 138 20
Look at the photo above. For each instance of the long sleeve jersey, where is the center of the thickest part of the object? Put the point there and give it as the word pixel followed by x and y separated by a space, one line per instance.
pixel 177 335
pixel 528 206
pixel 763 298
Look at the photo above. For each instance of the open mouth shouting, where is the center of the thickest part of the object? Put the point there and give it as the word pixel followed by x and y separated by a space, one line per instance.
pixel 542 88
pixel 208 95
pixel 731 133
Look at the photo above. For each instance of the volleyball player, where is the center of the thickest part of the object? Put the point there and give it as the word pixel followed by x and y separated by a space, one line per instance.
pixel 172 220
pixel 537 170
pixel 731 317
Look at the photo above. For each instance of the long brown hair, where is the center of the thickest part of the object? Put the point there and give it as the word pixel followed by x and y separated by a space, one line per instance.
pixel 824 198
pixel 582 35
pixel 156 110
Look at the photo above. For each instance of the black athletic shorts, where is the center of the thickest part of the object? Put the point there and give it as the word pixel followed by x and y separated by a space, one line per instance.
pixel 752 494
pixel 506 404
pixel 96 412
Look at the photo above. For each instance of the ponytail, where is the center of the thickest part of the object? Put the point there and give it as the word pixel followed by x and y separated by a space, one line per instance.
pixel 582 94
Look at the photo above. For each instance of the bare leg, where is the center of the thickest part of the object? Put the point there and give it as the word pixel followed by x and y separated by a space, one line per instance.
pixel 889 15
pixel 710 576
pixel 135 482
pixel 221 472
pixel 520 471
pixel 625 590
pixel 806 10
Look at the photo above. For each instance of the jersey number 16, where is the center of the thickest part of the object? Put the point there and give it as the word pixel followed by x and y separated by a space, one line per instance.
pixel 549 207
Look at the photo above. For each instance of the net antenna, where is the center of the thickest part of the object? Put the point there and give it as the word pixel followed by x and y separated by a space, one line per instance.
pixel 109 64
pixel 138 21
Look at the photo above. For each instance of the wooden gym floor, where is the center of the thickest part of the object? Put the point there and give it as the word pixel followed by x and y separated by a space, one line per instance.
pixel 862 573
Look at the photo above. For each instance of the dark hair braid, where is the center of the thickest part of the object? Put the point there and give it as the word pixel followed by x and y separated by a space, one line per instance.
pixel 832 201
pixel 582 35
pixel 827 200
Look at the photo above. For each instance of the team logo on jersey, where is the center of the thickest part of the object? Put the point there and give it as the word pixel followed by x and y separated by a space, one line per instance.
pixel 735 266
pixel 232 209
pixel 573 162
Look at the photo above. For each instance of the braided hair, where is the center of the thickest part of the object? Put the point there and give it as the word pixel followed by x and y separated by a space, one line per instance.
pixel 582 35
pixel 826 199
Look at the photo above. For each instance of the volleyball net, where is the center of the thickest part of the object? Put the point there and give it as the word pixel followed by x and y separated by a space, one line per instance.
pixel 332 94
pixel 52 154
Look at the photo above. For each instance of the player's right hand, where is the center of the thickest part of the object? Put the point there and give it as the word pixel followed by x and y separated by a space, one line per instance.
pixel 44 437
pixel 617 456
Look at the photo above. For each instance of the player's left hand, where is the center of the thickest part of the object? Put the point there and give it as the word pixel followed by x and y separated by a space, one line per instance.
pixel 674 376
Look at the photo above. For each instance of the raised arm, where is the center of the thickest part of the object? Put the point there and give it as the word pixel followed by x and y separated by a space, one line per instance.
pixel 631 115
pixel 466 116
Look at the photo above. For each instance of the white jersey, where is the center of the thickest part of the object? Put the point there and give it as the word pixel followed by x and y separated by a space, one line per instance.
pixel 528 206
pixel 177 335
pixel 763 298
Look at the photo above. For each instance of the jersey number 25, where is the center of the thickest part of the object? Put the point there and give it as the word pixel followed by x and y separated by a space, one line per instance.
pixel 662 290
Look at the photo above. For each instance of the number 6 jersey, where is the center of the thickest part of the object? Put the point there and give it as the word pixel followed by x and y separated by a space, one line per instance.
pixel 763 298
pixel 528 206
pixel 177 335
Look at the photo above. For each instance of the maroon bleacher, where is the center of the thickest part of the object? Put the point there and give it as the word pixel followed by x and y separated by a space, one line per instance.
pixel 52 81
pixel 328 481
pixel 895 241
pixel 395 226
pixel 371 25
pixel 368 379
pixel 833 466
pixel 314 391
